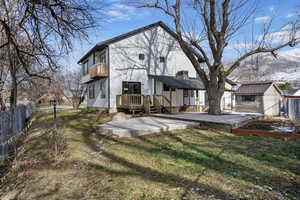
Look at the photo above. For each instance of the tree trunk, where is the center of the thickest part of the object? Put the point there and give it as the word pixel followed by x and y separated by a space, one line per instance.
pixel 13 73
pixel 214 102
pixel 2 104
pixel 13 91
pixel 215 91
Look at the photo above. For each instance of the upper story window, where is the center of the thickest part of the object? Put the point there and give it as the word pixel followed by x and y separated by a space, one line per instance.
pixel 85 67
pixel 102 57
pixel 141 56
pixel 162 59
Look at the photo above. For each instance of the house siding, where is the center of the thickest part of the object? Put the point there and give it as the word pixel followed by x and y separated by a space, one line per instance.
pixel 226 101
pixel 98 101
pixel 126 66
pixel 272 102
pixel 251 107
pixel 86 77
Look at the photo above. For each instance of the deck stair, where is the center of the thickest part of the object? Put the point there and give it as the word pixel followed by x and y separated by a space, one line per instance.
pixel 154 109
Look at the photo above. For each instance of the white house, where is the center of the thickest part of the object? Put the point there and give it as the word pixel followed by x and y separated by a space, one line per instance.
pixel 144 69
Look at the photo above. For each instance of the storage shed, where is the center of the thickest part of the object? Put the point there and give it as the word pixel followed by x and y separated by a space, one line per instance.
pixel 259 97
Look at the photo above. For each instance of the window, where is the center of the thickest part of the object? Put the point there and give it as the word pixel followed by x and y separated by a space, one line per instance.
pixel 166 88
pixel 192 93
pixel 102 57
pixel 248 98
pixel 92 91
pixel 185 93
pixel 162 59
pixel 131 87
pixel 85 68
pixel 103 89
pixel 141 56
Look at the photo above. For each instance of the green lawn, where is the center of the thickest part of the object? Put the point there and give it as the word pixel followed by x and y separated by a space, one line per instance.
pixel 188 164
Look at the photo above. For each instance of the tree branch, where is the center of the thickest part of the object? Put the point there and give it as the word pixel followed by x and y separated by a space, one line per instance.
pixel 256 51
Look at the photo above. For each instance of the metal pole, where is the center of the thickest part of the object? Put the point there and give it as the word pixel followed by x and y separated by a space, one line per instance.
pixel 54 109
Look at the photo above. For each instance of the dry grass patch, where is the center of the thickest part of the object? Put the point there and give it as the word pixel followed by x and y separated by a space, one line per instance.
pixel 189 164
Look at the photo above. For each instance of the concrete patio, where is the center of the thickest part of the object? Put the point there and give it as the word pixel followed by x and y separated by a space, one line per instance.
pixel 143 126
pixel 226 121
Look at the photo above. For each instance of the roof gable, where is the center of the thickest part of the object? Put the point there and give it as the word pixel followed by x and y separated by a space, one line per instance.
pixel 274 85
pixel 105 43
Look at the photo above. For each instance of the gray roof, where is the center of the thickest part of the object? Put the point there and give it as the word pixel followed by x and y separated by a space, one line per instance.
pixel 105 43
pixel 179 83
pixel 257 88
pixel 231 82
pixel 289 92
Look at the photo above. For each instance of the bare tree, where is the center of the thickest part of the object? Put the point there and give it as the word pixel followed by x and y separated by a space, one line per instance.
pixel 41 31
pixel 33 88
pixel 215 23
pixel 72 87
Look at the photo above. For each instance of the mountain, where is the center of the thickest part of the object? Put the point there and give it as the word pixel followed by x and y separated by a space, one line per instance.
pixel 284 68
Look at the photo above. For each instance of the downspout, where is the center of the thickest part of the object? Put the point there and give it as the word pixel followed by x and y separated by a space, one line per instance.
pixel 108 65
pixel 154 85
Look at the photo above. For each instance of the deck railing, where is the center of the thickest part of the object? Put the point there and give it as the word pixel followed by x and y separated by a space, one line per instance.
pixel 142 102
pixel 160 101
pixel 130 100
pixel 99 70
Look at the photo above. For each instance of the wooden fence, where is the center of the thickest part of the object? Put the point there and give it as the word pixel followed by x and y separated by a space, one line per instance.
pixel 12 122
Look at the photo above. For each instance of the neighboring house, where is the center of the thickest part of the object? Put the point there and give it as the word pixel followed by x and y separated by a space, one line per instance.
pixel 259 97
pixel 47 98
pixel 291 103
pixel 142 69
pixel 291 93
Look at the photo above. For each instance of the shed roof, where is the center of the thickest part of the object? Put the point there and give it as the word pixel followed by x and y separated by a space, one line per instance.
pixel 179 83
pixel 256 88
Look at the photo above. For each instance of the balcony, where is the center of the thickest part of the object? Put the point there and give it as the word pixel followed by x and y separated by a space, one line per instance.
pixel 99 70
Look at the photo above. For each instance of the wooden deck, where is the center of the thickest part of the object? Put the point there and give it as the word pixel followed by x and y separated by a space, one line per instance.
pixel 143 103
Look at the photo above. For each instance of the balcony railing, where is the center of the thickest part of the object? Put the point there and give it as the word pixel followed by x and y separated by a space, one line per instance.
pixel 99 70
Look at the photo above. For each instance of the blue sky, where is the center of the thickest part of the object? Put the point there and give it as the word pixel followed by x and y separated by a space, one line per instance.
pixel 118 18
